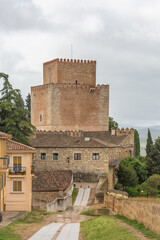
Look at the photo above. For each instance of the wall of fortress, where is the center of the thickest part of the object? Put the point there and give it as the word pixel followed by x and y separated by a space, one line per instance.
pixel 146 211
pixel 69 71
pixel 70 107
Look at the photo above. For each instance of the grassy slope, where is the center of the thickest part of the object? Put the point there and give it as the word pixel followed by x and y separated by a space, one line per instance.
pixel 74 195
pixel 103 228
pixel 8 232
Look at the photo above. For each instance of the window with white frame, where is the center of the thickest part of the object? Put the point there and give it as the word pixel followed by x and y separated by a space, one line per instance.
pixel 17 186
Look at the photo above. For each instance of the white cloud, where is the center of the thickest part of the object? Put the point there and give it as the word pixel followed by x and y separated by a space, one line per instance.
pixel 122 35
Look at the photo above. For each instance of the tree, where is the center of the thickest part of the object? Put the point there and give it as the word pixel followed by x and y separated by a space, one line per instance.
pixel 139 166
pixel 149 144
pixel 153 161
pixel 152 185
pixel 126 176
pixel 136 143
pixel 112 123
pixel 13 114
pixel 28 105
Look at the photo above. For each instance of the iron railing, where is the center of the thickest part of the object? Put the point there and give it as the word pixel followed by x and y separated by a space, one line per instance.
pixel 17 170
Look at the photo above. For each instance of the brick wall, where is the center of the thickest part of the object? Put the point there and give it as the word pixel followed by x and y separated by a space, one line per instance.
pixel 70 107
pixel 146 211
pixel 69 71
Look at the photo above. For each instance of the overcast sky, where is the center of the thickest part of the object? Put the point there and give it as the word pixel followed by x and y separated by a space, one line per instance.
pixel 123 36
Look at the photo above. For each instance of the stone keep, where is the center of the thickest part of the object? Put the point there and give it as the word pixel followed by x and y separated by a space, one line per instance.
pixel 69 98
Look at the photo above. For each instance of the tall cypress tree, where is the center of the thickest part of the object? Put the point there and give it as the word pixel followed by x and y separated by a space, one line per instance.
pixel 149 144
pixel 136 143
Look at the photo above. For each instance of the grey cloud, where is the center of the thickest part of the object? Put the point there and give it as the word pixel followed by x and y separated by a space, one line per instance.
pixel 21 15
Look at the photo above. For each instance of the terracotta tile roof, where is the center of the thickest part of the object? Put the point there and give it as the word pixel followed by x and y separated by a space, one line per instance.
pixel 61 139
pixel 14 146
pixel 6 135
pixel 49 181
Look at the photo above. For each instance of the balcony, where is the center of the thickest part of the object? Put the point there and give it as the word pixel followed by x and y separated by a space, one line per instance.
pixel 17 171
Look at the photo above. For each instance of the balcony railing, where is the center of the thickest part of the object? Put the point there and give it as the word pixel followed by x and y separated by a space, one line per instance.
pixel 17 170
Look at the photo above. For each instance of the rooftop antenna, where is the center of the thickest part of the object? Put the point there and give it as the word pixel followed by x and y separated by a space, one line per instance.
pixel 71 52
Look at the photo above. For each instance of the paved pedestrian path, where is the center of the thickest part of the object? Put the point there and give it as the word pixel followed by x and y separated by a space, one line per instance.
pixel 69 232
pixel 66 225
pixel 82 197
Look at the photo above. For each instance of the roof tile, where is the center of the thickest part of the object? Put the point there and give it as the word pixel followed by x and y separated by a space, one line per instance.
pixel 49 181
pixel 13 146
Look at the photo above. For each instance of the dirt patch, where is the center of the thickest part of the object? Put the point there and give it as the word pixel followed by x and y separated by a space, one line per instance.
pixel 26 230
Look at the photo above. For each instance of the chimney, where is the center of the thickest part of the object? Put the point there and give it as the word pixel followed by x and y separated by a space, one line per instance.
pixel 113 131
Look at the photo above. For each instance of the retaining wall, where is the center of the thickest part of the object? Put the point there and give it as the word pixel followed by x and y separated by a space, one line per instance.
pixel 146 211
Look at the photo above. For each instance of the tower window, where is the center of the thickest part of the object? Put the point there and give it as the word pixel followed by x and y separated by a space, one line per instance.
pixel 40 118
pixel 76 82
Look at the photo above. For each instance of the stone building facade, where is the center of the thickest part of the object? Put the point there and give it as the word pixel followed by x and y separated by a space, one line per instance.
pixel 71 115
pixel 69 98
pixel 88 154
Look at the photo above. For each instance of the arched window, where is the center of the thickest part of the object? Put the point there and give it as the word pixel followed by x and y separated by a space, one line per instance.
pixel 40 118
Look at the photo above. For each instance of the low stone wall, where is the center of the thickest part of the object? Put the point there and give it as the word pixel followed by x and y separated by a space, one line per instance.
pixel 85 176
pixel 146 211
pixel 60 204
pixel 101 189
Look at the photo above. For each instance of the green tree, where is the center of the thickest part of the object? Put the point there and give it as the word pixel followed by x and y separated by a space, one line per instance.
pixel 139 166
pixel 28 104
pixel 126 176
pixel 152 185
pixel 112 123
pixel 136 143
pixel 153 161
pixel 149 144
pixel 13 114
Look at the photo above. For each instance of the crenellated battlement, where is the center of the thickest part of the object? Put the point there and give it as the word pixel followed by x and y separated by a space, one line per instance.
pixel 70 61
pixel 68 85
pixel 68 133
pixel 69 98
pixel 122 131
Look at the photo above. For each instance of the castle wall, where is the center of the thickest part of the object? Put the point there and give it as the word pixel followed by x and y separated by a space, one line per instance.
pixel 146 211
pixel 70 107
pixel 69 71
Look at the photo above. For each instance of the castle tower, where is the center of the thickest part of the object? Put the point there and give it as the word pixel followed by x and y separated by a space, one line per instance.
pixel 69 98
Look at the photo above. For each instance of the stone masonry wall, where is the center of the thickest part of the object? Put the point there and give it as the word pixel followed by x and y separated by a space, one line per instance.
pixel 69 71
pixel 86 164
pixel 146 211
pixel 70 107
pixel 85 169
